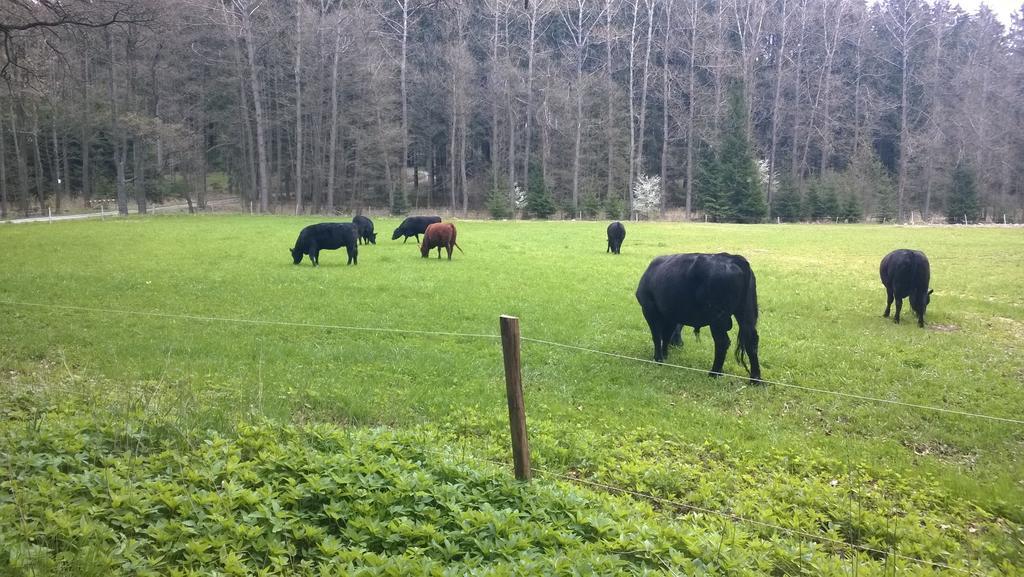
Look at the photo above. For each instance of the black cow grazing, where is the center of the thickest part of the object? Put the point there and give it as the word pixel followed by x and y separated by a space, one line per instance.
pixel 699 290
pixel 326 236
pixel 364 227
pixel 906 273
pixel 616 234
pixel 414 226
pixel 438 235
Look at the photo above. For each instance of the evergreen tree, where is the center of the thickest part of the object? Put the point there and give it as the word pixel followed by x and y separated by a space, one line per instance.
pixel 787 204
pixel 812 203
pixel 538 199
pixel 398 204
pixel 708 185
pixel 591 206
pixel 851 211
pixel 739 176
pixel 963 195
pixel 614 208
pixel 498 204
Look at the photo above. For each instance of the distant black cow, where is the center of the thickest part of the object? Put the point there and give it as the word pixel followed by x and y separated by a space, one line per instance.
pixel 414 226
pixel 906 273
pixel 616 234
pixel 439 235
pixel 326 236
pixel 699 290
pixel 364 227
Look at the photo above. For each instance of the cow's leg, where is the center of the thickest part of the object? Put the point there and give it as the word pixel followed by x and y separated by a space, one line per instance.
pixel 654 323
pixel 720 333
pixel 899 307
pixel 677 336
pixel 449 247
pixel 417 239
pixel 888 301
pixel 353 254
pixel 406 239
pixel 314 253
pixel 666 337
pixel 748 339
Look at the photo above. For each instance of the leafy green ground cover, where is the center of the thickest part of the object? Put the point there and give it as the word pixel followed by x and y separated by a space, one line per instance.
pixel 939 487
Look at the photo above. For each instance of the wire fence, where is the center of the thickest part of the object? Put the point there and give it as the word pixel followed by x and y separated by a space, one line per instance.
pixel 592 484
pixel 496 337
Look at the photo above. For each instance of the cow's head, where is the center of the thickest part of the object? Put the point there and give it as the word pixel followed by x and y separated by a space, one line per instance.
pixel 919 304
pixel 296 255
pixel 423 248
pixel 398 233
pixel 373 238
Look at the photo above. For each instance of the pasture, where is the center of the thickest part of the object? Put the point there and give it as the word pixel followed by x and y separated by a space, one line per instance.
pixel 768 452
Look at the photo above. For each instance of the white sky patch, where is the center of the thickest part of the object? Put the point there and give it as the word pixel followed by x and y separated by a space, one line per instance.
pixel 1002 8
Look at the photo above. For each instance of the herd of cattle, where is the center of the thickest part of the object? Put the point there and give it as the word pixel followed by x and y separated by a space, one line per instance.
pixel 694 289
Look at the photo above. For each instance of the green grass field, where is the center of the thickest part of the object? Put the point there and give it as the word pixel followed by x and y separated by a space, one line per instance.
pixel 938 486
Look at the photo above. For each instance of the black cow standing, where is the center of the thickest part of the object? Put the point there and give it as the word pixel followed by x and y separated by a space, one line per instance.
pixel 906 273
pixel 616 234
pixel 364 227
pixel 326 236
pixel 414 226
pixel 699 290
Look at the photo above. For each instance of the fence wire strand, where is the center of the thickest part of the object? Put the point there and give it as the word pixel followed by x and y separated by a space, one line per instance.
pixel 781 384
pixel 524 338
pixel 697 508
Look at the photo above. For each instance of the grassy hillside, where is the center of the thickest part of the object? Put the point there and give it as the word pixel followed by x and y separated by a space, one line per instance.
pixel 939 486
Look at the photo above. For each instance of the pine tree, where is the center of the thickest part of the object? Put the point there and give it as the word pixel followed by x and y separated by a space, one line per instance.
pixel 498 205
pixel 398 204
pixel 591 206
pixel 739 175
pixel 710 194
pixel 851 211
pixel 963 195
pixel 787 204
pixel 538 199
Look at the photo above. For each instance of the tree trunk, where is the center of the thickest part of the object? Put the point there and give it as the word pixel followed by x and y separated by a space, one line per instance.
pixel 632 110
pixel 462 159
pixel 610 91
pixel 665 97
pixel 643 90
pixel 780 55
pixel 904 136
pixel 117 139
pixel 56 165
pixel 19 157
pixel 333 152
pixel 451 145
pixel 494 100
pixel 139 156
pixel 40 180
pixel 405 104
pixel 533 15
pixel 692 73
pixel 298 107
pixel 85 139
pixel 261 143
pixel 3 169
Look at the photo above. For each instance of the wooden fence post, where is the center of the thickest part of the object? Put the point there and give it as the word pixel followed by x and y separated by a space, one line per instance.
pixel 514 391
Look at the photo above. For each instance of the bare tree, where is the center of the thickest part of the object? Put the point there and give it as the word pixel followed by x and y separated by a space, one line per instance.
pixel 580 20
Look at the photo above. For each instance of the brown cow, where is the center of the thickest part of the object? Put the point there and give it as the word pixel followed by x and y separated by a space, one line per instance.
pixel 437 235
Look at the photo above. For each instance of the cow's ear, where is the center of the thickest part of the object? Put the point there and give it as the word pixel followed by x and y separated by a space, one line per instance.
pixel 930 291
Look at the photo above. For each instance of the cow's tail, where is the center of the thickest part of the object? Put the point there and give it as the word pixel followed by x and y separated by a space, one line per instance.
pixel 747 318
pixel 459 247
